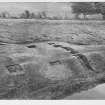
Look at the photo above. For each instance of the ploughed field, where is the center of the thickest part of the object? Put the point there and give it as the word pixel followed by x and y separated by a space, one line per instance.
pixel 43 59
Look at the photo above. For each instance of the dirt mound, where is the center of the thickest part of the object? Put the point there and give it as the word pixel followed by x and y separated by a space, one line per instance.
pixel 49 70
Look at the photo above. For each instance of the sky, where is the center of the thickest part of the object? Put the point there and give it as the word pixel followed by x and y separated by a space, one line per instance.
pixel 50 7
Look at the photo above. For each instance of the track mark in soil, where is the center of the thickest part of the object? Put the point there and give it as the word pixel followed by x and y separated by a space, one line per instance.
pixel 32 46
pixel 51 43
pixel 55 62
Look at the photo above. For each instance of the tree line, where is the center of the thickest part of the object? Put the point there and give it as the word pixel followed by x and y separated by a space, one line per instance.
pixel 29 15
pixel 88 8
pixel 25 15
pixel 78 8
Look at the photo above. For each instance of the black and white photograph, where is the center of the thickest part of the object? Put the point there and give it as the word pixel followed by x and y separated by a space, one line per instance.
pixel 52 50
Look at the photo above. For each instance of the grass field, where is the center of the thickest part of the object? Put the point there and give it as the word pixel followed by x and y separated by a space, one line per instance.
pixel 73 31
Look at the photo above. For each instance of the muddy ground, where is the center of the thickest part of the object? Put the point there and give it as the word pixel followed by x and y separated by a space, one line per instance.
pixel 43 59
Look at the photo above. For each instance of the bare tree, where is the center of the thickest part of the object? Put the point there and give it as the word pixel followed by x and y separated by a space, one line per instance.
pixel 43 14
pixel 5 14
pixel 26 14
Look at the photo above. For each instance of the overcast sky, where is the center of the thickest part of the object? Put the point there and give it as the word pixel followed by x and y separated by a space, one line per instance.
pixel 51 7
